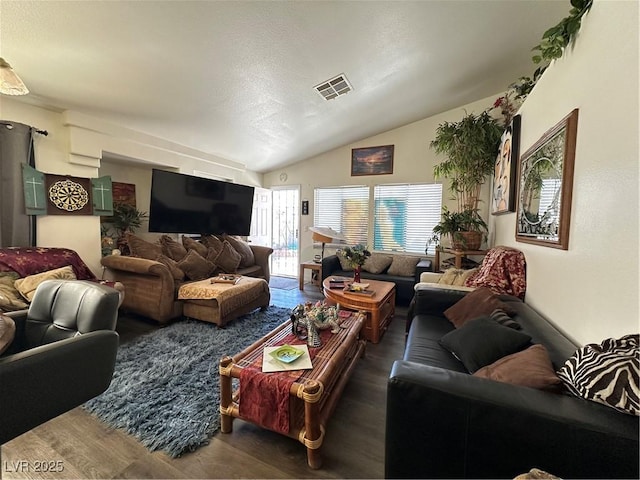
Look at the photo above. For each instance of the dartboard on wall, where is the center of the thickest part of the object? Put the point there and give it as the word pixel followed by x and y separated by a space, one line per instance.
pixel 68 195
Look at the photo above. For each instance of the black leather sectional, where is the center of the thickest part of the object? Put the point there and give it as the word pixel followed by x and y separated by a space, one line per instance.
pixel 442 422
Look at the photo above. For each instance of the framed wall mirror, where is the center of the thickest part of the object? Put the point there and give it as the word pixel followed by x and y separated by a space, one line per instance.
pixel 545 182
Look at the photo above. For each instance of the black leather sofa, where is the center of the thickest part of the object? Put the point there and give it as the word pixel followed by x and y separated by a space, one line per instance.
pixel 442 422
pixel 63 354
pixel 404 285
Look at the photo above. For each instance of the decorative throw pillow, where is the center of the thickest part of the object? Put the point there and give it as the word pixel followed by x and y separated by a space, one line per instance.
pixel 10 298
pixel 246 254
pixel 172 249
pixel 344 264
pixel 176 273
pixel 142 249
pixel 228 259
pixel 465 275
pixel 27 286
pixel 502 318
pixel 403 266
pixel 481 301
pixel 482 341
pixel 450 275
pixel 7 332
pixel 377 263
pixel 191 244
pixel 530 368
pixel 212 242
pixel 195 267
pixel 606 373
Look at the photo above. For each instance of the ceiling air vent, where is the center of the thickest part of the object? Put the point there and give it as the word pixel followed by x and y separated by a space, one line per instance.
pixel 335 87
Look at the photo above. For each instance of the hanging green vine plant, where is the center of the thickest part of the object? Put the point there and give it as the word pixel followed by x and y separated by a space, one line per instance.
pixel 552 46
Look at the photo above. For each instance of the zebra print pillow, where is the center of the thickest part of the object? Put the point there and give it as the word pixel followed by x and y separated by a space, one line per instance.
pixel 607 373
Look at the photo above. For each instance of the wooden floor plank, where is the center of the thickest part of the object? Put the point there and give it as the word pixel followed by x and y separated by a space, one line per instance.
pixel 353 446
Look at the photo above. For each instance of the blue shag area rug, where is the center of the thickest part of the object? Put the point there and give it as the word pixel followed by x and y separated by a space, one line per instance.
pixel 165 390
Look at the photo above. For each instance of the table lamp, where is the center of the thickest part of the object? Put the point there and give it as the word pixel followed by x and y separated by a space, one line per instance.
pixel 325 235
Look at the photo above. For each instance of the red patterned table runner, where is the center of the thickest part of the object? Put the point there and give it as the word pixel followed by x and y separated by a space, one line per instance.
pixel 264 397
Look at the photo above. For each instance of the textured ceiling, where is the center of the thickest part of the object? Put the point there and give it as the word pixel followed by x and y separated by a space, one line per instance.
pixel 235 78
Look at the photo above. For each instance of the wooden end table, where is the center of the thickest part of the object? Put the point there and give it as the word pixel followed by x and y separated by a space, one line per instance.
pixel 379 307
pixel 316 273
pixel 313 396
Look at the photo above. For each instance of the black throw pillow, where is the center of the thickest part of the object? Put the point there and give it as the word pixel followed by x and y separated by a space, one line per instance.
pixel 482 341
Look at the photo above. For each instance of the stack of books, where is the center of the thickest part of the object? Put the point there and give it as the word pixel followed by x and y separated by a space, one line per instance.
pixel 336 282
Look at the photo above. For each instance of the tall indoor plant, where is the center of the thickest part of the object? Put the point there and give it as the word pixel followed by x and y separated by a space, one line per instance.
pixel 470 146
pixel 126 218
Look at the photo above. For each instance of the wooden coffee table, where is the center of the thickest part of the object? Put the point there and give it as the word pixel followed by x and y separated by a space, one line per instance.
pixel 379 307
pixel 313 396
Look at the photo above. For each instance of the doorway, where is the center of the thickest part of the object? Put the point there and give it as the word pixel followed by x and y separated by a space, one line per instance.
pixel 285 239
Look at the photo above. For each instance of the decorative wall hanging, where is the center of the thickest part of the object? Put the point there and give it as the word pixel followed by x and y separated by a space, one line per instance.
pixel 545 186
pixel 372 160
pixel 504 177
pixel 68 195
pixel 47 194
pixel 124 193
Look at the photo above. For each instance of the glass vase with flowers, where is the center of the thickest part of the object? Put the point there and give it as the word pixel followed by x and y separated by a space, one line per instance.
pixel 355 257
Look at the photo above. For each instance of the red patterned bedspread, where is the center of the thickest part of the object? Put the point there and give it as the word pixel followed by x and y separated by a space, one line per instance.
pixel 27 261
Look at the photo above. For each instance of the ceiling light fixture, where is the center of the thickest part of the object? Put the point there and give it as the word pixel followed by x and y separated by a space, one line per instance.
pixel 10 83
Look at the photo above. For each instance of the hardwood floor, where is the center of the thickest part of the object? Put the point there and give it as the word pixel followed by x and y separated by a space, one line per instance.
pixel 78 445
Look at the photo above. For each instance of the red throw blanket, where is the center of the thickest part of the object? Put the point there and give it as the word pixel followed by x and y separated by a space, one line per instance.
pixel 27 261
pixel 503 270
pixel 264 397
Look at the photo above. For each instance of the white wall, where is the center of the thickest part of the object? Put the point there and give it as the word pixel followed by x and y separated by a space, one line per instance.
pixel 591 290
pixel 76 145
pixel 413 163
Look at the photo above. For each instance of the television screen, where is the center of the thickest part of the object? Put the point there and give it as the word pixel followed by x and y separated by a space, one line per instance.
pixel 186 204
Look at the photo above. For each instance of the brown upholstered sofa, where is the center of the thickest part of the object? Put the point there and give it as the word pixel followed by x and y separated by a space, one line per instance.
pixel 154 273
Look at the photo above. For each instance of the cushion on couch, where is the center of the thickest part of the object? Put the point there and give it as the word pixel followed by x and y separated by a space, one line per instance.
pixel 175 270
pixel 172 248
pixel 212 242
pixel 142 249
pixel 246 254
pixel 482 341
pixel 377 263
pixel 606 373
pixel 480 301
pixel 456 276
pixel 27 286
pixel 530 368
pixel 191 244
pixel 228 259
pixel 10 298
pixel 195 267
pixel 7 332
pixel 403 266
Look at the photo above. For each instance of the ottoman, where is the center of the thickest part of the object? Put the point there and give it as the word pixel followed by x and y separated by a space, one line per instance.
pixel 220 303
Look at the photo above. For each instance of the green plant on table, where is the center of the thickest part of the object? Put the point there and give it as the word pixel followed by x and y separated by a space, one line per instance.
pixel 356 255
pixel 455 224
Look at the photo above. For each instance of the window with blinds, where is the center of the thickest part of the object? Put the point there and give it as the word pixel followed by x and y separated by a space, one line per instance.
pixel 345 209
pixel 404 216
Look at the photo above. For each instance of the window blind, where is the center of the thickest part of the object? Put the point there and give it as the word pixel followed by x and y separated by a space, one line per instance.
pixel 404 216
pixel 345 209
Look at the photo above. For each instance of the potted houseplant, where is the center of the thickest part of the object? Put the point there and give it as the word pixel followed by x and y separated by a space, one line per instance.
pixel 355 257
pixel 470 146
pixel 126 218
pixel 466 229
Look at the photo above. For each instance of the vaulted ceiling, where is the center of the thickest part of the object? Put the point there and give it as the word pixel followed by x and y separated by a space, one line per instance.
pixel 236 78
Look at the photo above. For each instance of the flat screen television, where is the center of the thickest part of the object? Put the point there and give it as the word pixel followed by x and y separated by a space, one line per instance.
pixel 187 204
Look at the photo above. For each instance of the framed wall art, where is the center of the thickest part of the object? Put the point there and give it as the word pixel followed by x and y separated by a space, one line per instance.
pixel 503 199
pixel 545 182
pixel 372 160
